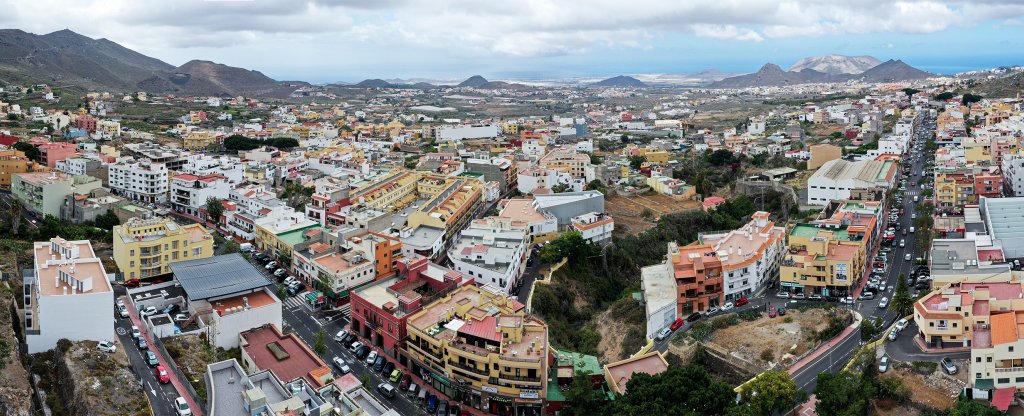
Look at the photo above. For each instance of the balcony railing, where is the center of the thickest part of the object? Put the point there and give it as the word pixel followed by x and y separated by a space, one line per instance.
pixel 468 367
pixel 1009 369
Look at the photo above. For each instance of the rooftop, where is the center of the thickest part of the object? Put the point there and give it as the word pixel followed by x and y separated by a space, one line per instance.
pixel 286 355
pixel 65 267
pixel 619 373
pixel 217 276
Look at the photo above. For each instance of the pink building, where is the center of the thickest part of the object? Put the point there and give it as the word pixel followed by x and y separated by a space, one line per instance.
pixel 51 153
pixel 87 123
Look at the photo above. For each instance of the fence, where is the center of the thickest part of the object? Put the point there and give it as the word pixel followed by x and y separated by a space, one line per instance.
pixel 173 367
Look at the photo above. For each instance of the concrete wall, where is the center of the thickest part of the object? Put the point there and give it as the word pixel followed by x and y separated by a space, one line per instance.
pixel 79 317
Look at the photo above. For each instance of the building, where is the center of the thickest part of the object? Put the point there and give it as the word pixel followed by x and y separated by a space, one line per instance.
pixel 83 166
pixel 51 153
pixel 566 160
pixel 460 133
pixel 482 349
pixel 145 248
pixel 385 251
pixel 824 260
pixel 380 310
pixel 697 270
pixel 821 153
pixel 524 215
pixel 1004 221
pixel 449 204
pixel 500 170
pixel 750 256
pixel 174 159
pixel 231 391
pixel 958 315
pixel 595 227
pixel 660 294
pixel 14 161
pixel 142 181
pixel 229 295
pixel 961 186
pixel 333 270
pixel 189 192
pixel 266 348
pixel 618 374
pixel 78 209
pixel 995 361
pixel 836 178
pixel 278 234
pixel 567 205
pixel 67 295
pixel 955 260
pixel 43 193
pixel 490 252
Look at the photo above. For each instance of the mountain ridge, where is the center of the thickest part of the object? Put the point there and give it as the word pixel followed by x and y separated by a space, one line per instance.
pixel 771 75
pixel 835 64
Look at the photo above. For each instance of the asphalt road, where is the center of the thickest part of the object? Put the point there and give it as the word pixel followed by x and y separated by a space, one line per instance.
pixel 161 396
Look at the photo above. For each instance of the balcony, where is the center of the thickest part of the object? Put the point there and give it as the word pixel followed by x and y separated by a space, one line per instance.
pixel 1009 369
pixel 469 368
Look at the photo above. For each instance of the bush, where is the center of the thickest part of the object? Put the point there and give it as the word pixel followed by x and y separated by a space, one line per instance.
pixel 926 367
pixel 893 388
pixel 750 315
pixel 767 354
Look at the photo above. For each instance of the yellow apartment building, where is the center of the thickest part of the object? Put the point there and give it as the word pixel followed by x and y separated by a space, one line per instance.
pixel 146 247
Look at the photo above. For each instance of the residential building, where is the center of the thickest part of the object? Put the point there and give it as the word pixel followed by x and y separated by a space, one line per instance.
pixel 567 205
pixel 960 186
pixel 78 208
pixel 333 270
pixel 142 181
pixel 500 170
pixel 821 153
pixel 278 234
pixel 824 260
pixel 955 260
pixel 83 166
pixel 836 178
pixel 524 215
pixel 660 295
pixel 995 362
pixel 618 374
pixel 174 159
pixel 285 355
pixel 383 250
pixel 51 153
pixel 481 348
pixel 189 192
pixel 231 391
pixel 697 270
pixel 958 315
pixel 449 202
pixel 750 256
pixel 145 248
pixel 595 227
pixel 14 161
pixel 566 160
pixel 43 193
pixel 490 252
pixel 67 295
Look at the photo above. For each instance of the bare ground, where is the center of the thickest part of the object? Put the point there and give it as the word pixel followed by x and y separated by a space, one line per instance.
pixel 628 211
pixel 783 341
pixel 935 390
pixel 612 333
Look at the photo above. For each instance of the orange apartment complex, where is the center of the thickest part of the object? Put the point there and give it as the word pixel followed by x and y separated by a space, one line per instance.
pixel 697 271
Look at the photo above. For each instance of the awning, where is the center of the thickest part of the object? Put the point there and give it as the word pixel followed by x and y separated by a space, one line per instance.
pixel 1002 398
pixel 984 384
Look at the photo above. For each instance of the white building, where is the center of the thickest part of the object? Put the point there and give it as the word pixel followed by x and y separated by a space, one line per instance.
pixel 491 253
pixel 231 168
pixel 750 255
pixel 659 297
pixel 458 133
pixel 189 192
pixel 596 227
pixel 142 181
pixel 67 296
pixel 836 178
pixel 1013 173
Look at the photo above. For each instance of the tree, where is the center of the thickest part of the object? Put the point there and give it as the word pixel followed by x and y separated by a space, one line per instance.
pixel 107 220
pixel 550 254
pixel 214 209
pixel 647 213
pixel 582 398
pixel 30 150
pixel 770 392
pixel 326 282
pixel 239 142
pixel 968 99
pixel 720 157
pixel 231 246
pixel 595 185
pixel 51 227
pixel 284 143
pixel 688 391
pixel 868 330
pixel 902 303
pixel 945 96
pixel 15 212
pixel 319 343
pixel 843 394
pixel 968 407
pixel 595 159
pixel 636 162
pixel 559 188
pixel 910 91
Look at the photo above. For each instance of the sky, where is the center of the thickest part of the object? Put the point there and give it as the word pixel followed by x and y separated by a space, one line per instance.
pixel 351 40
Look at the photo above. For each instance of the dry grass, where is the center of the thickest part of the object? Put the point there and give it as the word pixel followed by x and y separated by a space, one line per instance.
pixel 628 211
pixel 769 340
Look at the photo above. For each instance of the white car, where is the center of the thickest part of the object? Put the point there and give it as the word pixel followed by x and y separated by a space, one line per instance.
pixel 906 257
pixel 902 323
pixel 181 406
pixel 135 332
pixel 847 300
pixel 883 365
pixel 340 335
pixel 122 311
pixel 371 358
pixel 342 365
pixel 727 306
pixel 884 303
pixel 147 311
pixel 664 333
pixel 107 346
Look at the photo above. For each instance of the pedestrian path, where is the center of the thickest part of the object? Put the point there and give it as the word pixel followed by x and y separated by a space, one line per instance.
pixel 293 302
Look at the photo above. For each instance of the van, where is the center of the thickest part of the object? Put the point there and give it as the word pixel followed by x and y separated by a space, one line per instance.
pixel 414 389
pixel 421 398
pixel 915 198
pixel 911 230
pixel 245 247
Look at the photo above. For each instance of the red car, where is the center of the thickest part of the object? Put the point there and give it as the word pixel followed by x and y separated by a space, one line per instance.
pixel 677 324
pixel 161 374
pixel 131 283
pixel 771 312
pixel 742 301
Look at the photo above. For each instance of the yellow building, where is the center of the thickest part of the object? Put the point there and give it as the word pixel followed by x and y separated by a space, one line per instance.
pixel 146 247
pixel 199 139
pixel 510 128
pixel 977 150
pixel 823 261
pixel 653 155
pixel 14 161
pixel 481 347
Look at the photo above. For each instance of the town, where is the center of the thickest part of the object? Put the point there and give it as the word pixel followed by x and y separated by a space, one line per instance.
pixel 835 246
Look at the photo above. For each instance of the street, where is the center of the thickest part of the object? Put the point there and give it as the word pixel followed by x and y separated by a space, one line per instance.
pixel 161 396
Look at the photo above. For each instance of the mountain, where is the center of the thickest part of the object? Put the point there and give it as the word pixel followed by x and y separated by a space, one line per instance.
pixel 65 57
pixel 770 75
pixel 836 64
pixel 373 83
pixel 474 81
pixel 621 81
pixel 891 71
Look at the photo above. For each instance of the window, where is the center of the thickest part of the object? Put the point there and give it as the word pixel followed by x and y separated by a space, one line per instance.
pixel 988 359
pixel 1003 380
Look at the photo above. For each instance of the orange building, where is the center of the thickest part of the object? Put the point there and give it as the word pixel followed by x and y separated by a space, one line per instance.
pixel 387 251
pixel 697 271
pixel 14 161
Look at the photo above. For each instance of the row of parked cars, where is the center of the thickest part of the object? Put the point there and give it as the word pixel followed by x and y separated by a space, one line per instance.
pixel 292 285
pixel 377 362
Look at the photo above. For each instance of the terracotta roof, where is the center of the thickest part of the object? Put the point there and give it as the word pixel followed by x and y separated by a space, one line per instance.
pixel 486 328
pixel 1005 328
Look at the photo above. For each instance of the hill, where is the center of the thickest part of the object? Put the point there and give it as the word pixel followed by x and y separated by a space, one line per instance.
pixel 770 75
pixel 1006 86
pixel 891 71
pixel 373 83
pixel 474 81
pixel 621 81
pixel 66 57
pixel 836 64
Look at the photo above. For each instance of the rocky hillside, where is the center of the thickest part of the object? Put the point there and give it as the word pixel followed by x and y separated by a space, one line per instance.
pixel 15 394
pixel 621 81
pixel 836 64
pixel 770 75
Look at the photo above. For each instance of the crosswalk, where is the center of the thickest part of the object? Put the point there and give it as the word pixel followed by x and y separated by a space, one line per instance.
pixel 295 302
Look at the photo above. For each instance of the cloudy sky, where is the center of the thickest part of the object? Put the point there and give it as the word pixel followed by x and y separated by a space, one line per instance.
pixel 349 40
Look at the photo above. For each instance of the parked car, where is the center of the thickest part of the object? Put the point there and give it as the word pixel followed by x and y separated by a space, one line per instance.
pixel 712 310
pixel 141 343
pixel 947 364
pixel 386 389
pixel 442 407
pixel 396 375
pixel 279 272
pixel 906 257
pixel 131 283
pixel 883 365
pixel 847 300
pixel 677 324
pixel 271 265
pixel 866 295
pixel 693 317
pixel 122 311
pixel 404 384
pixel 151 359
pixel 162 375
pixel 342 366
pixel 340 336
pixel 782 311
pixel 135 332
pixel 349 338
pixel 895 333
pixel 362 352
pixel 772 312
pixel 354 346
pixel 107 346
pixel 181 406
pixel 147 311
pixel 664 333
pixel 454 409
pixel 902 323
pixel 171 309
pixel 387 367
pixel 371 358
pixel 180 317
pixel 432 404
pixel 814 297
pixel 742 301
pixel 727 306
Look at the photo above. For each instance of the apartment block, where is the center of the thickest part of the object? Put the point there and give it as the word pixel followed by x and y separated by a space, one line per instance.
pixel 67 295
pixel 145 248
pixel 43 193
pixel 333 270
pixel 51 153
pixel 15 161
pixel 189 192
pixel 482 349
pixel 500 170
pixel 142 181
pixel 824 260
pixel 490 252
pixel 278 234
pixel 595 227
pixel 750 256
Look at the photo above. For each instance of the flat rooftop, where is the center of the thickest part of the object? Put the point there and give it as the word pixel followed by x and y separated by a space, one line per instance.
pixel 622 371
pixel 286 355
pixel 65 267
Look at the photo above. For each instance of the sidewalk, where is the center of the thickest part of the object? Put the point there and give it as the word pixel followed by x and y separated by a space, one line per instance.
pixel 928 350
pixel 857 318
pixel 182 391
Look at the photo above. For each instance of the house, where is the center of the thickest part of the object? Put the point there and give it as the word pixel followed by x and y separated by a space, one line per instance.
pixel 145 248
pixel 231 391
pixel 43 193
pixel 750 256
pixel 618 374
pixel 15 161
pixel 490 252
pixel 67 295
pixel 286 356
